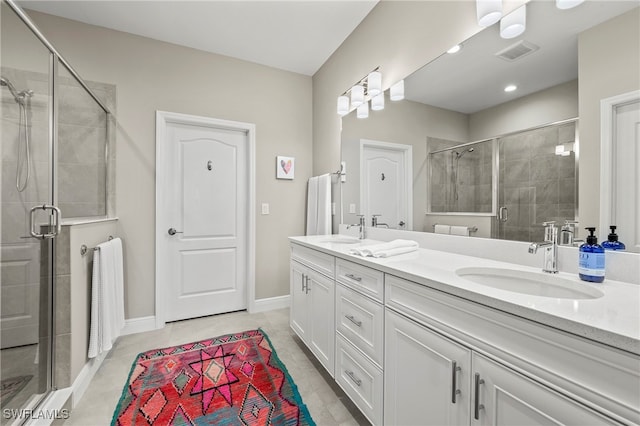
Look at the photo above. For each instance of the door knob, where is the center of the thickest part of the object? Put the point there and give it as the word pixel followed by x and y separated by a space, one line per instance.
pixel 401 223
pixel 172 231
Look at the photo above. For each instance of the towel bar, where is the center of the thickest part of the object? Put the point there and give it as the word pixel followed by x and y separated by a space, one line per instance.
pixel 470 228
pixel 84 249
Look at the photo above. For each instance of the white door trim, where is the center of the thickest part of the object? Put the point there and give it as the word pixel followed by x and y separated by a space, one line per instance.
pixel 607 147
pixel 407 151
pixel 163 118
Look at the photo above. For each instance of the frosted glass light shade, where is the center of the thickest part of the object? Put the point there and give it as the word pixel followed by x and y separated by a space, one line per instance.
pixel 396 92
pixel 374 83
pixel 343 105
pixel 488 11
pixel 377 102
pixel 357 95
pixel 363 110
pixel 514 23
pixel 567 4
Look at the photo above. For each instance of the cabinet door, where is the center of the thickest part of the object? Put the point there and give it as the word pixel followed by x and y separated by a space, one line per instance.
pixel 505 397
pixel 321 326
pixel 299 312
pixel 423 372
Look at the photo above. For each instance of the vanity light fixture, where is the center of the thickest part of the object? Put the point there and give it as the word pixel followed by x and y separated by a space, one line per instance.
pixel 510 88
pixel 357 95
pixel 363 110
pixel 343 105
pixel 567 4
pixel 374 83
pixel 514 23
pixel 488 11
pixel 377 102
pixel 396 92
pixel 454 49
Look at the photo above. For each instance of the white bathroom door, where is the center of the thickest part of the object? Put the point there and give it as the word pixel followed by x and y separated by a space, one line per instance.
pixel 386 183
pixel 205 235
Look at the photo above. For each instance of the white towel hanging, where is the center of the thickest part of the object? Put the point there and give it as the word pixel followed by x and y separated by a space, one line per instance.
pixel 312 206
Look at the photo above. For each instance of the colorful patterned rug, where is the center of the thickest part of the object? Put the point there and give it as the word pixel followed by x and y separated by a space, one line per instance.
pixel 234 379
pixel 11 387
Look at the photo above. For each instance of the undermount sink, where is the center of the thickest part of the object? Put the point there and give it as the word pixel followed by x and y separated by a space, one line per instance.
pixel 341 240
pixel 533 283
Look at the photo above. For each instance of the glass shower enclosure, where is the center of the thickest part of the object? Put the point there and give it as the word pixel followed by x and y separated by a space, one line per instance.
pixel 54 150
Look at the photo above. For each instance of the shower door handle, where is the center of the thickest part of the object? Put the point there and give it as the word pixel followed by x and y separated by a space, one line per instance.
pixel 503 214
pixel 55 224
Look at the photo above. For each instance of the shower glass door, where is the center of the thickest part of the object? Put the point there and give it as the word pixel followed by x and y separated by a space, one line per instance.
pixel 26 261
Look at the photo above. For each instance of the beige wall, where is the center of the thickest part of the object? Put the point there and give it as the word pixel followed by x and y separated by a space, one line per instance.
pixel 546 106
pixel 398 36
pixel 152 75
pixel 603 72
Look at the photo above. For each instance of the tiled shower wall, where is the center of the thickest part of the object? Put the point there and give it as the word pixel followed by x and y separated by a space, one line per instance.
pixel 536 185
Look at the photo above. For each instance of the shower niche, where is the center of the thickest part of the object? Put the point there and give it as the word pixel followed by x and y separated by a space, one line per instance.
pixel 518 180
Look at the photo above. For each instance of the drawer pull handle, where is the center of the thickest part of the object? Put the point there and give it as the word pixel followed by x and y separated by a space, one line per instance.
pixel 353 320
pixel 477 405
pixel 454 381
pixel 353 377
pixel 353 277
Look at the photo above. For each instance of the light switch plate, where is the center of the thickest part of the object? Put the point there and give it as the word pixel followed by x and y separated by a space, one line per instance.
pixel 265 208
pixel 352 208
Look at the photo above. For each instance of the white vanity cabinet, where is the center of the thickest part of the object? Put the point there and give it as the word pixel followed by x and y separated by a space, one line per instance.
pixel 360 336
pixel 312 302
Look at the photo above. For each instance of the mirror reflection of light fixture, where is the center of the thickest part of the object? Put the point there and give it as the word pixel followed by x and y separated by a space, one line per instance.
pixel 357 95
pixel 567 4
pixel 514 23
pixel 488 11
pixel 377 102
pixel 343 105
pixel 374 83
pixel 396 92
pixel 363 110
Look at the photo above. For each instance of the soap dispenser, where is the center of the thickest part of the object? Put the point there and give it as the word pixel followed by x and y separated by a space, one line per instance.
pixel 591 259
pixel 612 242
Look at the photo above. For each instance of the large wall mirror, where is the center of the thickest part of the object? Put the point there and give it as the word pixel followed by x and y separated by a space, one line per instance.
pixel 461 151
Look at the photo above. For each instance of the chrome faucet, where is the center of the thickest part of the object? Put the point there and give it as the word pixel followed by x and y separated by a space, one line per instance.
pixel 374 221
pixel 550 245
pixel 569 234
pixel 361 226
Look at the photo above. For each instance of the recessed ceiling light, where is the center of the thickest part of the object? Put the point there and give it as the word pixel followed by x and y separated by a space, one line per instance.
pixel 510 88
pixel 454 49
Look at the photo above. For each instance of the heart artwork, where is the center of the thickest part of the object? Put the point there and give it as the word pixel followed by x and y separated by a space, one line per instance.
pixel 286 166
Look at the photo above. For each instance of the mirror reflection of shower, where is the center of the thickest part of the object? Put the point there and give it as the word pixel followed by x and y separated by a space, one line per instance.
pixel 456 156
pixel 22 98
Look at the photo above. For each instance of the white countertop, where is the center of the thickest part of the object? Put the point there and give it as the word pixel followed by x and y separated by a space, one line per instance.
pixel 613 319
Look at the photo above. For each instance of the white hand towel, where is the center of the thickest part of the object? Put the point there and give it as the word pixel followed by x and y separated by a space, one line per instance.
pixel 460 230
pixel 391 248
pixel 442 229
pixel 312 206
pixel 324 205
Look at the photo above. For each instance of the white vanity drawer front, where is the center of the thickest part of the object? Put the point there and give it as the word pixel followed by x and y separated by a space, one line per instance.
pixel 361 321
pixel 360 379
pixel 321 262
pixel 361 278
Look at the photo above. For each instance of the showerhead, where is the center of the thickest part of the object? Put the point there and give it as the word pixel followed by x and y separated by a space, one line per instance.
pixel 460 154
pixel 18 96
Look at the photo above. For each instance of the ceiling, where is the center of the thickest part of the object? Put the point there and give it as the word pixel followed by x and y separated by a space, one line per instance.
pixel 292 35
pixel 474 78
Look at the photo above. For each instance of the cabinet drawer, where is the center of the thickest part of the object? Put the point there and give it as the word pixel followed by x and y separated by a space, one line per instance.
pixel 361 321
pixel 314 259
pixel 360 278
pixel 360 379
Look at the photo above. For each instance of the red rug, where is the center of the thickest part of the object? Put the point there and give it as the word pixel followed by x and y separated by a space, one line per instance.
pixel 229 380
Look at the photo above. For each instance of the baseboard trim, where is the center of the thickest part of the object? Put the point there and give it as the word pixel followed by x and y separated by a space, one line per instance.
pixel 271 303
pixel 139 325
pixel 82 382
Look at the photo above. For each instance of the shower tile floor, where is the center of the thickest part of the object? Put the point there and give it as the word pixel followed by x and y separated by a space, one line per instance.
pixel 327 403
pixel 20 361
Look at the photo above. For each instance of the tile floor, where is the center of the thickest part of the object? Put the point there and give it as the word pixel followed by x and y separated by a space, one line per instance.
pixel 327 403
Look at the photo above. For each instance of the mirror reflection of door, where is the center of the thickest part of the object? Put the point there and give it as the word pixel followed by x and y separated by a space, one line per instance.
pixel 386 188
